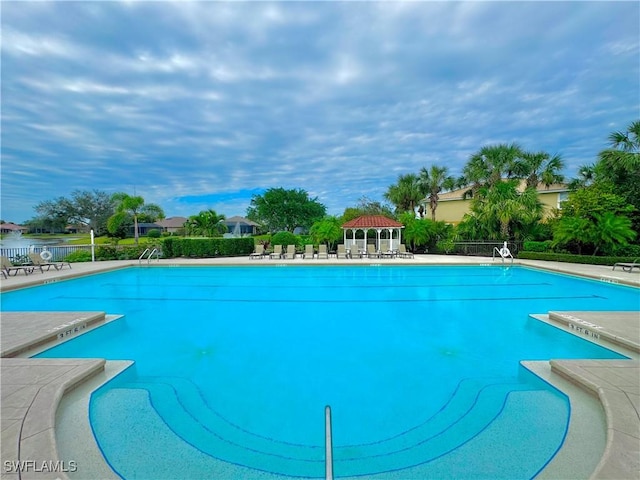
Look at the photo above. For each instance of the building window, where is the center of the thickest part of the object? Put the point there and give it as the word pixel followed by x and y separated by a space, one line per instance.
pixel 562 196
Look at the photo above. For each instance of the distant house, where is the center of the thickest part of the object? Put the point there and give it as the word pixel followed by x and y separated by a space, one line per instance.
pixel 452 206
pixel 241 225
pixel 144 228
pixel 12 227
pixel 172 224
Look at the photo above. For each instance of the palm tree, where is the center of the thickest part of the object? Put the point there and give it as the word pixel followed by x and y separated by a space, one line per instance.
pixel 502 204
pixel 610 229
pixel 572 230
pixel 586 176
pixel 405 194
pixel 433 181
pixel 625 149
pixel 490 165
pixel 207 223
pixel 539 167
pixel 132 205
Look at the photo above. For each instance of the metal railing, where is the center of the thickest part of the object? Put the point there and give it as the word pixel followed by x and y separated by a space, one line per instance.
pixel 58 252
pixel 148 255
pixel 484 248
pixel 328 444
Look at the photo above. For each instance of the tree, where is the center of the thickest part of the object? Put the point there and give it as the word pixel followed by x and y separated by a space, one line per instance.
pixel 328 230
pixel 418 232
pixel 618 167
pixel 624 151
pixel 207 223
pixel 601 231
pixel 91 208
pixel 433 181
pixel 279 209
pixel 609 230
pixel 367 206
pixel 503 213
pixel 133 206
pixel 585 178
pixel 406 193
pixel 539 167
pixel 490 165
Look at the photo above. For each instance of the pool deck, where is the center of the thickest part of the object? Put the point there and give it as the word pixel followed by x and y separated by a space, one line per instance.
pixel 32 388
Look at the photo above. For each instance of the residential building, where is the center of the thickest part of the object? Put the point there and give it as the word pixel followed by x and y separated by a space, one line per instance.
pixel 452 206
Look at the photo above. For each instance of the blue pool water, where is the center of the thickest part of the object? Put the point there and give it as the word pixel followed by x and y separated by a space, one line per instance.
pixel 234 365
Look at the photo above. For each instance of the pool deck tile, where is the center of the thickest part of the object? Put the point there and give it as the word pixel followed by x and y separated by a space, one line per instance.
pixel 31 391
pixel 615 383
pixel 22 331
pixel 32 388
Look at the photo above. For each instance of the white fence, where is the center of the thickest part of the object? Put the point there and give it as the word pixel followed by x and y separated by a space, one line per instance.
pixel 58 252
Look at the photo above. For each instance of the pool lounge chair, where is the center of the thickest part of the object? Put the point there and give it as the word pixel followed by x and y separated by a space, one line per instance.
pixel 628 266
pixel 403 252
pixel 308 251
pixel 291 252
pixel 277 252
pixel 258 252
pixel 342 251
pixel 8 269
pixel 354 251
pixel 371 251
pixel 41 263
pixel 322 251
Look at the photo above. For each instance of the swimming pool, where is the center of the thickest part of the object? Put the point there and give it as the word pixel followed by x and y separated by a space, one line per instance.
pixel 234 365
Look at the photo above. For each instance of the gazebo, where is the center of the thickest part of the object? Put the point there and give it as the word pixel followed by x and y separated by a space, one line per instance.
pixel 387 230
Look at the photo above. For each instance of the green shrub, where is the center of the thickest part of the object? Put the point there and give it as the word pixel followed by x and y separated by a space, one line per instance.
pixel 445 246
pixel 206 247
pixel 571 258
pixel 537 246
pixel 78 256
pixel 284 238
pixel 154 233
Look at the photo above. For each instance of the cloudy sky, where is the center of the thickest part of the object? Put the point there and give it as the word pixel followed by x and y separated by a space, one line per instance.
pixel 198 105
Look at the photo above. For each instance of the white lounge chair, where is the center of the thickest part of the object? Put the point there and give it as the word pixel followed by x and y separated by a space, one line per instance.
pixel 322 251
pixel 628 266
pixel 277 252
pixel 308 251
pixel 258 252
pixel 403 252
pixel 342 251
pixel 291 252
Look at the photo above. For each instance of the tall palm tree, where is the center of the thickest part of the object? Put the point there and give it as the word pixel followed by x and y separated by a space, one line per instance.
pixel 490 165
pixel 539 167
pixel 433 181
pixel 405 194
pixel 625 149
pixel 586 176
pixel 503 205
pixel 135 206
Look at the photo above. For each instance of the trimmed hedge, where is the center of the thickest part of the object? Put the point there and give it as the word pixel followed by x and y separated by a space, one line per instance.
pixel 537 246
pixel 206 247
pixel 568 257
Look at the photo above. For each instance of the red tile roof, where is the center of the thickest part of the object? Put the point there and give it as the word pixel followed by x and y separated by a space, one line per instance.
pixel 372 221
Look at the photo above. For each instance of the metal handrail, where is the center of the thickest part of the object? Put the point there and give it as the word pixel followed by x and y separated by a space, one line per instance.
pixel 328 444
pixel 150 253
pixel 503 253
pixel 157 254
pixel 142 256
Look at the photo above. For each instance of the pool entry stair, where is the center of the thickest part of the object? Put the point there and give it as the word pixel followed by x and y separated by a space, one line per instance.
pixel 478 418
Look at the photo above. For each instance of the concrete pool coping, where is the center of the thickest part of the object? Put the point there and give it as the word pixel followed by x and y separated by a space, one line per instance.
pixel 620 398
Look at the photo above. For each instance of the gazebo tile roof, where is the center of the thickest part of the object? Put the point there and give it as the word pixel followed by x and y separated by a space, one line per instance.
pixel 372 221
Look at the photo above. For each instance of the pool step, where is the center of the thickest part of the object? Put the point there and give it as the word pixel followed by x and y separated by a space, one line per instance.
pixel 463 420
